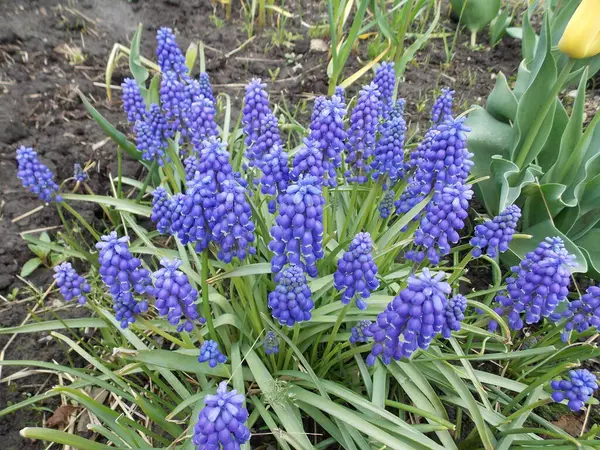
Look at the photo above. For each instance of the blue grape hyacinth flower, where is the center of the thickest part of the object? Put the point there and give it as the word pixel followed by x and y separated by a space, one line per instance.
pixel 210 352
pixel 133 102
pixel 386 206
pixel 327 128
pixel 161 210
pixel 577 389
pixel 455 313
pixel 169 55
pixel 539 283
pixel 308 161
pixel 188 212
pixel 385 80
pixel 271 343
pixel 364 121
pixel 442 107
pixel 174 101
pixel 205 89
pixel 35 176
pixel 494 236
pixel 79 175
pixel 124 276
pixel 222 422
pixel 356 273
pixel 412 319
pixel 268 139
pixel 231 222
pixel 291 301
pixel 581 314
pixel 276 175
pixel 388 162
pixel 70 283
pixel 444 216
pixel 359 332
pixel 297 236
pixel 201 121
pixel 175 296
pixel 256 107
pixel 152 134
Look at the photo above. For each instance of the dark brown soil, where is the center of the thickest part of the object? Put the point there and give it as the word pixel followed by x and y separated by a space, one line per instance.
pixel 39 107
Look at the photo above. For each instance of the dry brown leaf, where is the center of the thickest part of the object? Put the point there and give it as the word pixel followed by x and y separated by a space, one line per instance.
pixel 61 416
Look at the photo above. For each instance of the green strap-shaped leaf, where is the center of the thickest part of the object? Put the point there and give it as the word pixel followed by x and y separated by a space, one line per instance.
pixel 139 72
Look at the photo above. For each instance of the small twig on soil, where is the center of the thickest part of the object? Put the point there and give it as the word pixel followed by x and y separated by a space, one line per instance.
pixel 241 47
pixel 27 214
pixel 39 230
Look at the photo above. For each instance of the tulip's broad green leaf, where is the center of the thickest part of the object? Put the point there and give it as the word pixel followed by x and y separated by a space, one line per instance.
pixel 499 25
pixel 550 152
pixel 476 14
pixel 502 103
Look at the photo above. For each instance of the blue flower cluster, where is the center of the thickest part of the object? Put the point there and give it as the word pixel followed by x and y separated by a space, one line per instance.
pixel 360 332
pixel 161 210
pixel 36 176
pixel 269 138
pixel 356 271
pixel 444 215
pixel 209 352
pixel 364 121
pixel 581 314
pixel 297 236
pixel 388 163
pixel 188 213
pixel 256 107
pixel 79 175
pixel 124 276
pixel 170 57
pixel 152 134
pixel 276 174
pixel 455 313
pixel 271 343
pixel 412 319
pixel 70 283
pixel 442 108
pixel 540 282
pixel 385 80
pixel 495 235
pixel 577 389
pixel 327 128
pixel 291 301
pixel 174 295
pixel 222 422
pixel 133 102
pixel 308 161
pixel 204 87
pixel 386 207
pixel 231 222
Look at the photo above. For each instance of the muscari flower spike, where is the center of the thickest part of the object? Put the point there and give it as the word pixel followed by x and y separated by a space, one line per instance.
pixel 327 128
pixel 161 211
pixel 271 343
pixel 361 135
pixel 124 276
pixel 412 319
pixel 266 141
pixel 442 108
pixel 133 102
pixel 444 216
pixel 231 222
pixel 388 162
pixel 256 106
pixel 205 87
pixel 35 176
pixel 174 101
pixel 357 333
pixel 385 80
pixel 297 236
pixel 175 296
pixel 70 283
pixel 581 314
pixel 222 422
pixel 209 352
pixel 540 282
pixel 276 175
pixel 291 301
pixel 201 121
pixel 386 207
pixel 79 175
pixel 356 272
pixel 455 313
pixel 577 389
pixel 308 161
pixel 152 134
pixel 495 235
pixel 170 57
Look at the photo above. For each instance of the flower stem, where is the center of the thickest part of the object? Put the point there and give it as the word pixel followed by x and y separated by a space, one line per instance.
pixel 205 305
pixel 290 350
pixel 119 171
pixel 335 330
pixel 147 181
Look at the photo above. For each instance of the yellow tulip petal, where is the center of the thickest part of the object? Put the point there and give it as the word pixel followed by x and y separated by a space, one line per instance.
pixel 581 38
